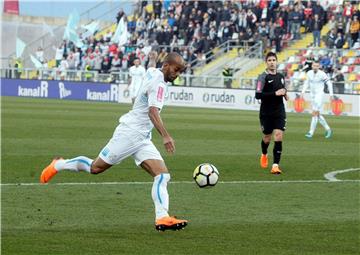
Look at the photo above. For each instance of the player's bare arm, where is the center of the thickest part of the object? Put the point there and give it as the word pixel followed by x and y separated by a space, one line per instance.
pixel 155 118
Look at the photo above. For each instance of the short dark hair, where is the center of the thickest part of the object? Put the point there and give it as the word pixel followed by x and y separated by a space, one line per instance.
pixel 172 57
pixel 270 54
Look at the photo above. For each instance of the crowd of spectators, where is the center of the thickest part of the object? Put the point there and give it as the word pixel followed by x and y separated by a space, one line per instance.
pixel 344 27
pixel 193 28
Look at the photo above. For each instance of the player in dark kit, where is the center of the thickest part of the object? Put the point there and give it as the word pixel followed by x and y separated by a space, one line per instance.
pixel 270 89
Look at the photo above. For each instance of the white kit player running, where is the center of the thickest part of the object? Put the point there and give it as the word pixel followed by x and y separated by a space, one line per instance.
pixel 316 80
pixel 132 137
pixel 136 73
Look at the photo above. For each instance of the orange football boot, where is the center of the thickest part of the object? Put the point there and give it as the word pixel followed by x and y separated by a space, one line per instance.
pixel 264 162
pixel 275 169
pixel 49 171
pixel 170 222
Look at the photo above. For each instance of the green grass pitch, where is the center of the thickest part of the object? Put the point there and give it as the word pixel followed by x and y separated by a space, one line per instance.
pixel 254 217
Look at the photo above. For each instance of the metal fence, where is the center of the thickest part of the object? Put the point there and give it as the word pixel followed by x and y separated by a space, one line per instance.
pixel 184 79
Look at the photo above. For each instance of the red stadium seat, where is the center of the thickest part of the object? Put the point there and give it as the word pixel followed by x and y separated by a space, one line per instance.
pixel 351 69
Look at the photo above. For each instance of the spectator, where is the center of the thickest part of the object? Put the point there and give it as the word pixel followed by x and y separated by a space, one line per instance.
pixel 295 21
pixel 105 65
pixel 340 25
pixel 152 59
pixel 332 22
pixel 264 32
pixel 331 37
pixel 316 26
pixel 326 63
pixel 108 36
pixel 227 74
pixel 339 41
pixel 18 68
pixel 140 26
pixel 251 19
pixel 278 35
pixel 354 30
pixel 339 81
pixel 59 55
pixel 40 54
pixel 157 8
pixel 242 21
pixel 348 11
pixel 162 56
pixel 77 58
pixel 307 16
pixel 71 66
pixel 119 15
pixel 317 9
pixel 63 67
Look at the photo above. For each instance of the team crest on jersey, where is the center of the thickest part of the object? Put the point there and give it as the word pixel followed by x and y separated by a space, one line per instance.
pixel 282 80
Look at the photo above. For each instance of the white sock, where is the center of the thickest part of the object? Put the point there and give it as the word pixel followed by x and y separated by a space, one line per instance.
pixel 160 195
pixel 323 122
pixel 314 121
pixel 80 163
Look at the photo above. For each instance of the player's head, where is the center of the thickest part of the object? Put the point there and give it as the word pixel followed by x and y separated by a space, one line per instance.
pixel 173 65
pixel 136 62
pixel 271 61
pixel 315 65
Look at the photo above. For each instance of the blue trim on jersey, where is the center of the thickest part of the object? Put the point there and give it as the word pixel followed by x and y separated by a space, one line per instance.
pixel 105 152
pixel 158 187
pixel 79 160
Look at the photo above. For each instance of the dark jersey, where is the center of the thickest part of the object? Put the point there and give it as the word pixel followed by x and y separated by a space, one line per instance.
pixel 266 86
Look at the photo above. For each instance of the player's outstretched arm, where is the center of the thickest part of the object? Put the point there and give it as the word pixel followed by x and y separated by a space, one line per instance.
pixel 155 118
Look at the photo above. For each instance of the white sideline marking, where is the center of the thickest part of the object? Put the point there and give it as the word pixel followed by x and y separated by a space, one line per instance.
pixel 331 175
pixel 176 182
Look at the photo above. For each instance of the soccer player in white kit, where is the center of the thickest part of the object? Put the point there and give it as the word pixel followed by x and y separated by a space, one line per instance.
pixel 132 137
pixel 315 80
pixel 136 73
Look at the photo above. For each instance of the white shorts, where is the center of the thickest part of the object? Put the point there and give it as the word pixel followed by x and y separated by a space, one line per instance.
pixel 317 103
pixel 125 143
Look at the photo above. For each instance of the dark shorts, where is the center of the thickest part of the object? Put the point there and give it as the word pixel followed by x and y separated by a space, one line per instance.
pixel 269 123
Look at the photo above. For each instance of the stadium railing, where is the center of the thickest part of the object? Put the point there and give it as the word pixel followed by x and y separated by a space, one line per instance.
pixel 293 84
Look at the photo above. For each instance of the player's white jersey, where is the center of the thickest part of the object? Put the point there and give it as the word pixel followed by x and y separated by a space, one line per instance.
pixel 137 74
pixel 152 93
pixel 316 82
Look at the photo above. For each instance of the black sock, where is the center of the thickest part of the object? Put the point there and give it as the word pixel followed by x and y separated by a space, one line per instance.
pixel 264 147
pixel 277 152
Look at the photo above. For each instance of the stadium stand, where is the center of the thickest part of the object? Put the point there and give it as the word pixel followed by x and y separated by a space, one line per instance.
pixel 198 29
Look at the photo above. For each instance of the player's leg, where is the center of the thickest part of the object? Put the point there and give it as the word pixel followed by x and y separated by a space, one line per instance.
pixel 279 128
pixel 316 108
pixel 313 123
pixel 265 142
pixel 277 150
pixel 149 158
pixel 266 128
pixel 77 164
pixel 119 147
pixel 323 122
pixel 314 119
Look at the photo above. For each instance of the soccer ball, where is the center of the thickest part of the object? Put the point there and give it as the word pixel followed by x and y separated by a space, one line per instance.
pixel 206 175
